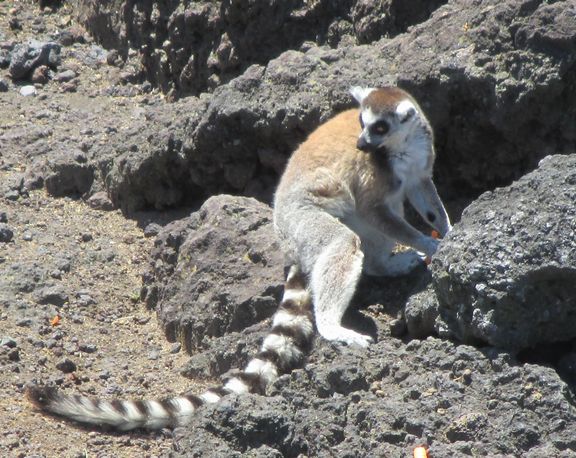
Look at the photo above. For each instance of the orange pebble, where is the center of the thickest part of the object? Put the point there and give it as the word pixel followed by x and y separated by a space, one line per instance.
pixel 420 452
pixel 435 235
pixel 55 321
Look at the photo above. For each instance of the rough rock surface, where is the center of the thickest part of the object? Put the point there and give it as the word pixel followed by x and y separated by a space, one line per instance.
pixel 189 46
pixel 455 399
pixel 506 275
pixel 29 56
pixel 495 79
pixel 215 272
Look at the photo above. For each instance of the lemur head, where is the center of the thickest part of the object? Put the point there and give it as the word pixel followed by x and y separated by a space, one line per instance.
pixel 389 117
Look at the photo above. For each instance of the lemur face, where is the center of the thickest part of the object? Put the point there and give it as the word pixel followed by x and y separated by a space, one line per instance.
pixel 386 116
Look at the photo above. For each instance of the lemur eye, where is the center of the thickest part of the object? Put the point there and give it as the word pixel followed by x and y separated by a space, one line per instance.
pixel 361 122
pixel 379 128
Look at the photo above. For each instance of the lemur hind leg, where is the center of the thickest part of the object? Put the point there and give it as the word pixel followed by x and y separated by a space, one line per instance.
pixel 333 279
pixel 380 260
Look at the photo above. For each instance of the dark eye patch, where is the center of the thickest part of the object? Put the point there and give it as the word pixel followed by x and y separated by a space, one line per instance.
pixel 379 128
pixel 361 122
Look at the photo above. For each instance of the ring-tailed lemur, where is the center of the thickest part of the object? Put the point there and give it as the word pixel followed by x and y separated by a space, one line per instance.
pixel 338 210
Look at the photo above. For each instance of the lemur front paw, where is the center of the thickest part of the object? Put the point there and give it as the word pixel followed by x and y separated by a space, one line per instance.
pixel 428 245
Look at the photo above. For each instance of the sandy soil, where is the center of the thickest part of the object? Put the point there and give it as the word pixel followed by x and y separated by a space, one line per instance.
pixel 69 261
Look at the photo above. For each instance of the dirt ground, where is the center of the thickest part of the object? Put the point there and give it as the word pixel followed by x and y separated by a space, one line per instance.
pixel 70 275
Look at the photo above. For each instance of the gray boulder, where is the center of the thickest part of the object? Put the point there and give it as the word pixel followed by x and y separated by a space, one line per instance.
pixel 506 274
pixel 67 173
pixel 28 56
pixel 143 165
pixel 218 271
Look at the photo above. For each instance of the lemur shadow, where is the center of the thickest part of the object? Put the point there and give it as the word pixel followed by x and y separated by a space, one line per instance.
pixel 378 304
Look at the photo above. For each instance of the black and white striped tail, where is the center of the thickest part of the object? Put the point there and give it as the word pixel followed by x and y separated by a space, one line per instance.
pixel 283 350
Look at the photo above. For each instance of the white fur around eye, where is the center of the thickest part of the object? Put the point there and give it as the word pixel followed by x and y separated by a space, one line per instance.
pixel 368 117
pixel 405 109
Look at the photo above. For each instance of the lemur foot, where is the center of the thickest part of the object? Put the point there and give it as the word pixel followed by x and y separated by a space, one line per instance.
pixel 345 335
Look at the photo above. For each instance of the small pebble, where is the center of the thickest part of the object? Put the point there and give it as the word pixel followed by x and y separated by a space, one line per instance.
pixel 87 348
pixel 27 91
pixel 85 298
pixel 142 319
pixel 69 86
pixel 14 24
pixel 57 274
pixel 66 365
pixel 101 201
pixel 6 234
pixel 8 342
pixel 65 76
pixel 104 375
pixel 12 195
pixel 154 355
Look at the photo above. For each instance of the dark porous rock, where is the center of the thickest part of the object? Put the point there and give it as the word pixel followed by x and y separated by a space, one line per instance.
pixel 230 352
pixel 386 18
pixel 5 50
pixel 6 234
pixel 4 85
pixel 152 229
pixel 456 400
pixel 28 56
pixel 420 313
pixel 497 82
pixel 498 101
pixel 55 295
pixel 100 201
pixel 263 426
pixel 199 45
pixel 217 271
pixel 66 365
pixel 506 275
pixel 69 174
pixel 146 167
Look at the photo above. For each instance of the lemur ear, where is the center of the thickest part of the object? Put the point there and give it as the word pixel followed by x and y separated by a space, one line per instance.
pixel 405 110
pixel 360 93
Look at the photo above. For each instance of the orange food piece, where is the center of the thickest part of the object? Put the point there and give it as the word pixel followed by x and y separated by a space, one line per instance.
pixel 435 235
pixel 55 321
pixel 420 452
